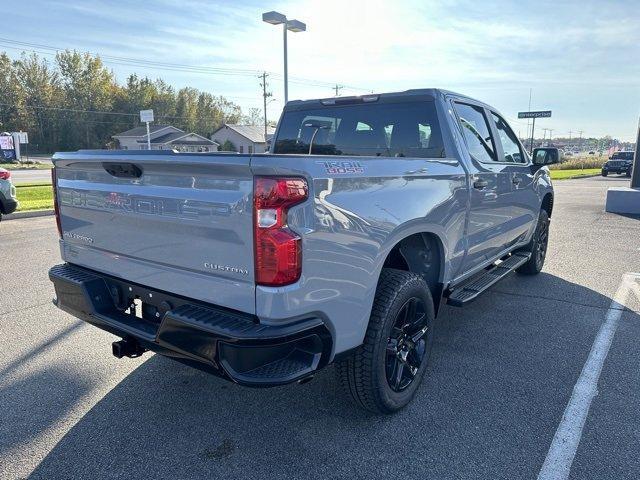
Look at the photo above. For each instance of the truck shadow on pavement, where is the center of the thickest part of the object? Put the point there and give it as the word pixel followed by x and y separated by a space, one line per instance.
pixel 502 371
pixel 42 399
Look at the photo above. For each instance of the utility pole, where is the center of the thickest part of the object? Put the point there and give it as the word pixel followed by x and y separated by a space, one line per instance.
pixel 530 91
pixel 569 142
pixel 580 139
pixel 580 145
pixel 265 94
pixel 337 88
pixel 533 127
pixel 635 172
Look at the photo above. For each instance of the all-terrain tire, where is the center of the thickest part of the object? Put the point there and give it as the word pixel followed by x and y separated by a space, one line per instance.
pixel 363 374
pixel 537 247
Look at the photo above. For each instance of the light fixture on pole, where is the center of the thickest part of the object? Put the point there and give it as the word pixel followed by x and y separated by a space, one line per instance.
pixel 275 18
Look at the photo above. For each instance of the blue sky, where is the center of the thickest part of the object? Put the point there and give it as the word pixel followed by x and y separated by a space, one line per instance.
pixel 582 59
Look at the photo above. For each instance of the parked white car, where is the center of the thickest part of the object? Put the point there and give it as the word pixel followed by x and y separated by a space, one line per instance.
pixel 8 200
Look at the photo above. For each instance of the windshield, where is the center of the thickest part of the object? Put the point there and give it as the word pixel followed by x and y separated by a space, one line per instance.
pixel 376 129
pixel 622 156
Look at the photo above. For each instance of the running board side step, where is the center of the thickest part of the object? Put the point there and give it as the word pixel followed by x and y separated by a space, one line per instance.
pixel 468 292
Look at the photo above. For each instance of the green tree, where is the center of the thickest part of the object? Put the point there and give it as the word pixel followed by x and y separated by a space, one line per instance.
pixel 11 99
pixel 75 102
pixel 228 146
pixel 88 86
pixel 39 97
pixel 254 117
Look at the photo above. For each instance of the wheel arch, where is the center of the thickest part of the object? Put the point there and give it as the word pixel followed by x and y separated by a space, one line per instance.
pixel 547 203
pixel 421 253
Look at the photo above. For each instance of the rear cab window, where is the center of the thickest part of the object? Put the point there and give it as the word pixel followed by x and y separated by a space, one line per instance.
pixel 622 156
pixel 378 129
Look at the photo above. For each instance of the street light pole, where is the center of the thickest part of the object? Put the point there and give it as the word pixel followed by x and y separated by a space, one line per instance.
pixel 635 173
pixel 276 18
pixel 286 70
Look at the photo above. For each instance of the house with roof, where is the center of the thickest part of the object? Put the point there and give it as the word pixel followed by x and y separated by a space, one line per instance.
pixel 164 137
pixel 245 138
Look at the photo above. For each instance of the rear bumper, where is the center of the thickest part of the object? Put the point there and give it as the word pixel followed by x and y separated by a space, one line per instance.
pixel 226 343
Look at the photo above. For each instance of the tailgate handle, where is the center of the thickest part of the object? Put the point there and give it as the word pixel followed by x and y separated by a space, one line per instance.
pixel 122 170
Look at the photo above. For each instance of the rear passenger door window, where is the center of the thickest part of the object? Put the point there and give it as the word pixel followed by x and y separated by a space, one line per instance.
pixel 476 132
pixel 511 150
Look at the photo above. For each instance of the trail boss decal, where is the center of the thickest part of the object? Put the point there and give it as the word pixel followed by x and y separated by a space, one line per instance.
pixel 342 168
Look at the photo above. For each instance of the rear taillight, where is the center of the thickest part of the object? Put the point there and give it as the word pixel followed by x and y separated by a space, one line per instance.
pixel 56 210
pixel 278 250
pixel 5 175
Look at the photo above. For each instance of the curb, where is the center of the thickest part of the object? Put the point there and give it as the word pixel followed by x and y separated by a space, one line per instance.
pixel 575 177
pixel 35 213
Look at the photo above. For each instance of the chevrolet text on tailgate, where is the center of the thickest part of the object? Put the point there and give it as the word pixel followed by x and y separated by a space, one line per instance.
pixel 338 246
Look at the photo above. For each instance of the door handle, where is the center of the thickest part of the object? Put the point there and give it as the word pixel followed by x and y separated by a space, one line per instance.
pixel 122 170
pixel 480 184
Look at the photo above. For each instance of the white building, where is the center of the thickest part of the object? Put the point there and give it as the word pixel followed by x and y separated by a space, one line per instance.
pixel 164 137
pixel 245 138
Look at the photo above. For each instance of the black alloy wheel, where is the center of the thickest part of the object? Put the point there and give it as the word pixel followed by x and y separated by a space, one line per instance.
pixel 385 372
pixel 407 344
pixel 541 243
pixel 537 247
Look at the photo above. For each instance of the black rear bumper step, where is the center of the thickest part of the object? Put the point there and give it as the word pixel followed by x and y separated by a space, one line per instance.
pixel 468 292
pixel 224 342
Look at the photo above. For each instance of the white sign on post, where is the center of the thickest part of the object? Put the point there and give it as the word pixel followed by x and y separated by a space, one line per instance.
pixel 146 116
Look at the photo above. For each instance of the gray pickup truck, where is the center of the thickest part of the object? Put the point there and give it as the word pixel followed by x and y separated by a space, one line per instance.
pixel 338 246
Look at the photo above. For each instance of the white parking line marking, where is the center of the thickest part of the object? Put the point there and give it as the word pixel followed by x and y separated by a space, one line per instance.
pixel 557 464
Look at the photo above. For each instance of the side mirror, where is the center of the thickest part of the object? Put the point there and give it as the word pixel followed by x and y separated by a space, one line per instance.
pixel 546 156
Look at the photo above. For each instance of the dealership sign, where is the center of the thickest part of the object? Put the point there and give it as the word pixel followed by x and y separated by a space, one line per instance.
pixel 6 142
pixel 540 114
pixel 7 148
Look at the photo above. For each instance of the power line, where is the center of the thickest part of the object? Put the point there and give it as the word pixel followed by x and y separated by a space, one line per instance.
pixel 98 112
pixel 136 61
pixel 129 61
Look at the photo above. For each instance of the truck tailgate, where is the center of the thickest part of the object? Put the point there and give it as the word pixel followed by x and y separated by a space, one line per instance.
pixel 181 223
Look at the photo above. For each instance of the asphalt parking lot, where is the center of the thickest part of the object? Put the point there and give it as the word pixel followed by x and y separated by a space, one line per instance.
pixel 503 371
